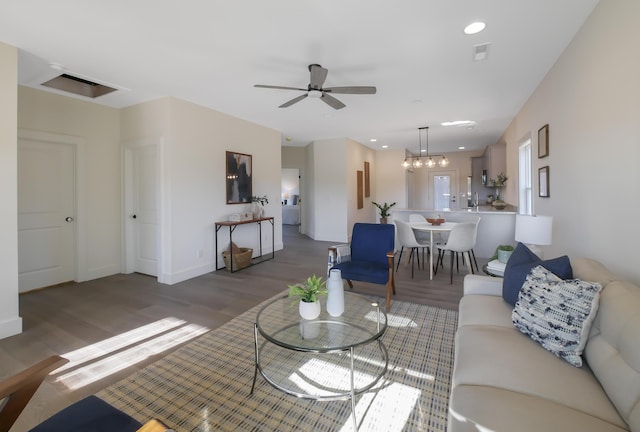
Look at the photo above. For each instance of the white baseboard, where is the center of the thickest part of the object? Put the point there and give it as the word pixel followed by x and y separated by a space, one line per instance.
pixel 10 327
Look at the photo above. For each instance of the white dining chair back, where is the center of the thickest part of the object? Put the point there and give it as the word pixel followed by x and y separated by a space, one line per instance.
pixel 462 239
pixel 407 239
pixel 421 236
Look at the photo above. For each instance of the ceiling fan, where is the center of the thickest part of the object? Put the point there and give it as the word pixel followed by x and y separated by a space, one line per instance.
pixel 315 89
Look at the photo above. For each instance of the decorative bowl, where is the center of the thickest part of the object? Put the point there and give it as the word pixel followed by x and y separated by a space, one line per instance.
pixel 435 221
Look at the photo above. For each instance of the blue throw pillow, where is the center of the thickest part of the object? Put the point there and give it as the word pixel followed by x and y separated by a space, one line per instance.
pixel 520 263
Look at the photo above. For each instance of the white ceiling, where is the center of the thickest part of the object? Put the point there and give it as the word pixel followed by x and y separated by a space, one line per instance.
pixel 212 52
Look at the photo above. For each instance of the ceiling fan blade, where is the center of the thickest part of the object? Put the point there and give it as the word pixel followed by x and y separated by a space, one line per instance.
pixel 278 87
pixel 352 90
pixel 292 101
pixel 318 75
pixel 332 102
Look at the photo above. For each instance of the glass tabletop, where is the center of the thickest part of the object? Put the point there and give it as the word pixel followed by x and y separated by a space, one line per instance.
pixel 363 321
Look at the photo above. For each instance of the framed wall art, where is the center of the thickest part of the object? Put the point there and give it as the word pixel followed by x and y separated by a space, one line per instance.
pixel 543 141
pixel 543 182
pixel 367 180
pixel 360 191
pixel 238 181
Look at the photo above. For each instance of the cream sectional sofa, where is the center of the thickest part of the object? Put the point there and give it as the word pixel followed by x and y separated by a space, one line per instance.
pixel 505 381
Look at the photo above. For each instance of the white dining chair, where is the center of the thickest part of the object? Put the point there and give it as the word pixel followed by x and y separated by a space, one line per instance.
pixel 461 240
pixel 407 239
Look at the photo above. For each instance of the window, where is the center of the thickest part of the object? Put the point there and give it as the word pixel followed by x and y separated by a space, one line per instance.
pixel 524 177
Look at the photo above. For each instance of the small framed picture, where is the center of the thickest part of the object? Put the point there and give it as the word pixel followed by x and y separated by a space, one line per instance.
pixel 543 141
pixel 543 182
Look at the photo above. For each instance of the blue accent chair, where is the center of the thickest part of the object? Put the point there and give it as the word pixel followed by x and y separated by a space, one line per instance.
pixel 372 256
pixel 90 414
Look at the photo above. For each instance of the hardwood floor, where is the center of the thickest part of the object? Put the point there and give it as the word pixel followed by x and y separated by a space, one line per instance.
pixel 69 317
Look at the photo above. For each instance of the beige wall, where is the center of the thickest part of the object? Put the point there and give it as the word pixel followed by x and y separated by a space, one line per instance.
pixel 10 322
pixel 357 154
pixel 390 179
pixel 196 159
pixel 327 203
pixel 192 142
pixel 591 101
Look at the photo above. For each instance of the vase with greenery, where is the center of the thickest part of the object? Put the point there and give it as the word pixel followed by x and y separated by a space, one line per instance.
pixel 308 292
pixel 258 211
pixel 384 210
pixel 498 184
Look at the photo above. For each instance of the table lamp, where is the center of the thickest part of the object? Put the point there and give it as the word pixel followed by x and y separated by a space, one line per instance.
pixel 534 231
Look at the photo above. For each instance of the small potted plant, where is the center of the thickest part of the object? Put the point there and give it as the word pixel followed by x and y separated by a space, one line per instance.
pixel 308 292
pixel 384 211
pixel 504 252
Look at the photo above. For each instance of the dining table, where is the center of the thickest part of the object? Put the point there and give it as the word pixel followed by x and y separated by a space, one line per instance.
pixel 428 227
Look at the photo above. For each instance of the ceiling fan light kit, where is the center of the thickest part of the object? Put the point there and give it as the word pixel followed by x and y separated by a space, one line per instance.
pixel 318 75
pixel 417 162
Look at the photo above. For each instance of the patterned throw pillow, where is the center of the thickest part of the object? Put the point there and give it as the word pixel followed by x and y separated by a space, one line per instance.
pixel 557 313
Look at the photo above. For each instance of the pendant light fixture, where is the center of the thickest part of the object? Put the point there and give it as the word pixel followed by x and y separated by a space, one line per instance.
pixel 417 162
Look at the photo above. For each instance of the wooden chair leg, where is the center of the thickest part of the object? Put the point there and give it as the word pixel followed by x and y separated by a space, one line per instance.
pixel 350 283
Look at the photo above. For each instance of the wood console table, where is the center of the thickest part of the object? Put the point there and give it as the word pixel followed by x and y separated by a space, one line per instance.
pixel 232 227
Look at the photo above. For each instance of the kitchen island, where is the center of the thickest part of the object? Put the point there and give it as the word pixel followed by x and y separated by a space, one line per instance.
pixel 496 226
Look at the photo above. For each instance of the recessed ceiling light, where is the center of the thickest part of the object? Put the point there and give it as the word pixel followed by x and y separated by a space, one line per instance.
pixel 373 140
pixel 475 27
pixel 461 148
pixel 458 123
pixel 385 146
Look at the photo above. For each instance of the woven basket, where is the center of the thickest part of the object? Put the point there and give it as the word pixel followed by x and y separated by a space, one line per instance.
pixel 241 259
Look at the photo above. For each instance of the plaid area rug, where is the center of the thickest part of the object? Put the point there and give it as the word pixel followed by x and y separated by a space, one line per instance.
pixel 205 385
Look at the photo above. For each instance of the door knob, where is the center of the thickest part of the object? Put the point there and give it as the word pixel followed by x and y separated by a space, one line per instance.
pixel 68 219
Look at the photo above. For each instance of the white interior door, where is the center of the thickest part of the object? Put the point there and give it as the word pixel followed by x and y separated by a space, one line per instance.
pixel 46 204
pixel 443 187
pixel 144 215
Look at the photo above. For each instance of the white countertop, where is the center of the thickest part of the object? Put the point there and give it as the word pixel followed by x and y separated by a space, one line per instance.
pixel 481 209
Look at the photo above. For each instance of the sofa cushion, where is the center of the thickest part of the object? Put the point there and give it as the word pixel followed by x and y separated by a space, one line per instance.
pixel 485 408
pixel 557 313
pixel 504 358
pixel 484 310
pixel 521 262
pixel 613 349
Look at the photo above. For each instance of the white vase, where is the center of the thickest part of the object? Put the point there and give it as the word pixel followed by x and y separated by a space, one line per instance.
pixel 309 329
pixel 255 210
pixel 335 296
pixel 309 310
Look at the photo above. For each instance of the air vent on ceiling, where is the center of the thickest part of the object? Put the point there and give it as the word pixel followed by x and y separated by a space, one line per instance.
pixel 481 52
pixel 79 86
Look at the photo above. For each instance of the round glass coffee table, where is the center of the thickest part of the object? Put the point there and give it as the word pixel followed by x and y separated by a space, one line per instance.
pixel 329 358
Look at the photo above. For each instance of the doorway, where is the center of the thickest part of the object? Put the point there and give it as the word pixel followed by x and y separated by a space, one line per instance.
pixel 48 206
pixel 142 207
pixel 443 187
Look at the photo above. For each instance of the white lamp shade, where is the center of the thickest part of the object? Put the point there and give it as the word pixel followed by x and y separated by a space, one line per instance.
pixel 535 230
